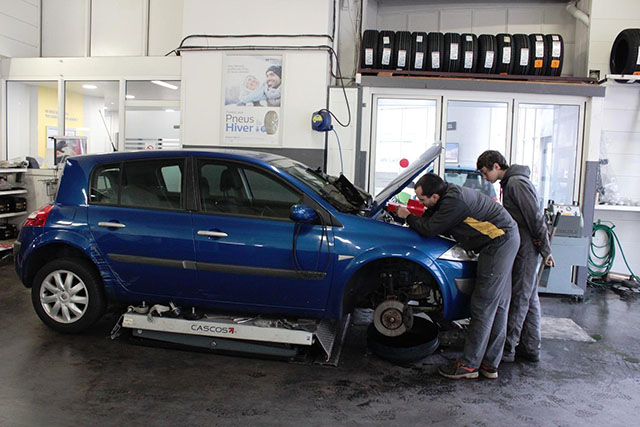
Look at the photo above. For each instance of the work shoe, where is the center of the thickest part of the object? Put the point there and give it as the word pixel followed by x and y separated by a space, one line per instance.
pixel 489 372
pixel 529 357
pixel 508 358
pixel 457 370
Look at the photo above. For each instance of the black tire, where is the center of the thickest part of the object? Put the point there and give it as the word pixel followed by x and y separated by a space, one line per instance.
pixel 402 50
pixel 554 46
pixel 504 62
pixel 385 57
pixel 625 54
pixel 452 52
pixel 419 51
pixel 487 47
pixel 520 54
pixel 91 290
pixel 414 345
pixel 538 55
pixel 369 49
pixel 469 54
pixel 435 55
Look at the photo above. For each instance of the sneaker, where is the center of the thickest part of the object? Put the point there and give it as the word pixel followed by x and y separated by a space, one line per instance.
pixel 529 357
pixel 489 372
pixel 508 358
pixel 457 370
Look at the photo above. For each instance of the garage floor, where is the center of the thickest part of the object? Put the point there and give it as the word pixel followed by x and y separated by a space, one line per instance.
pixel 51 379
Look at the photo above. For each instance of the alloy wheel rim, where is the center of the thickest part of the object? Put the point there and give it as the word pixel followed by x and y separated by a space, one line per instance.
pixel 64 296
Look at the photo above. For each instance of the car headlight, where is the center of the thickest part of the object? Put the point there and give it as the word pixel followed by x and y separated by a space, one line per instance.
pixel 458 253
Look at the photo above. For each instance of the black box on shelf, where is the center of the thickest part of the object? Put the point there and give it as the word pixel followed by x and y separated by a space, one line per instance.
pixel 18 204
pixel 5 205
pixel 8 231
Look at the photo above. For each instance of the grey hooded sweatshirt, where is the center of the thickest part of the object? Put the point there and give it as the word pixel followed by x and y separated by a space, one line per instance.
pixel 520 199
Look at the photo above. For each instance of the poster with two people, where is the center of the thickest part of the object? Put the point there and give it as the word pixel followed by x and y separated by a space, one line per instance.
pixel 252 99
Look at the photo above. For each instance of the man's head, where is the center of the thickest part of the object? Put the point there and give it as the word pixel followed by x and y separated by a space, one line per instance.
pixel 429 189
pixel 274 76
pixel 492 165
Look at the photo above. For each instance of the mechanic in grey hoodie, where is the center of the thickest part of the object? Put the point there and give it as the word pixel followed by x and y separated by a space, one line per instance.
pixel 520 199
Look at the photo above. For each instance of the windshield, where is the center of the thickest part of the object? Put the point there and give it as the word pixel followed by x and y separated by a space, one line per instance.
pixel 320 183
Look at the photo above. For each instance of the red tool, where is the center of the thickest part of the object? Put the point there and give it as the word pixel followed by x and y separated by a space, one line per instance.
pixel 414 206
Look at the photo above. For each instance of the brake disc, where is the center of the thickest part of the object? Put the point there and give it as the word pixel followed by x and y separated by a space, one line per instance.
pixel 393 318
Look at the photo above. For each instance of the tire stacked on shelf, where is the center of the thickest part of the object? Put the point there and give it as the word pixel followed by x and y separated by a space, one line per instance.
pixel 385 59
pixel 538 55
pixel 504 62
pixel 419 51
pixel 487 46
pixel 452 52
pixel 520 54
pixel 625 52
pixel 469 52
pixel 402 50
pixel 369 49
pixel 554 46
pixel 435 55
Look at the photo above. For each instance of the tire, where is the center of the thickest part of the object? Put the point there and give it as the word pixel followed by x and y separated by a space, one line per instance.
pixel 504 62
pixel 520 53
pixel 369 49
pixel 554 46
pixel 419 51
pixel 435 55
pixel 87 289
pixel 402 50
pixel 487 58
pixel 469 53
pixel 452 52
pixel 625 53
pixel 421 341
pixel 385 57
pixel 538 55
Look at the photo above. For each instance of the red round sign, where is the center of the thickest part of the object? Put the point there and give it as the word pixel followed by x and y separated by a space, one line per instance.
pixel 404 163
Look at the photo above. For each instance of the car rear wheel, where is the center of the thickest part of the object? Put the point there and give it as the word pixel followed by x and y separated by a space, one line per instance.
pixel 67 295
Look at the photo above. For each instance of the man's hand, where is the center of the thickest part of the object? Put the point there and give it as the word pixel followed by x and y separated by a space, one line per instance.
pixel 549 261
pixel 402 212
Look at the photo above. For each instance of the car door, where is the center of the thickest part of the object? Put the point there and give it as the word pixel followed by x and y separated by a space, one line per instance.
pixel 137 217
pixel 245 242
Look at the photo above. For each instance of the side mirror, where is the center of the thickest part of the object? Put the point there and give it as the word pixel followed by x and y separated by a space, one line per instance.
pixel 303 213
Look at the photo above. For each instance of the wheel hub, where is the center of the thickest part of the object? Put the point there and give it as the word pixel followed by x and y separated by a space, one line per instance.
pixel 393 318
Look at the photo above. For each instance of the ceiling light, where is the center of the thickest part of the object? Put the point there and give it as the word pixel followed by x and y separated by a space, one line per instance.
pixel 169 110
pixel 164 84
pixel 129 96
pixel 90 86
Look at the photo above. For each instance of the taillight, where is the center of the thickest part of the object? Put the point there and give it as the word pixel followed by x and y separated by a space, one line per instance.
pixel 38 218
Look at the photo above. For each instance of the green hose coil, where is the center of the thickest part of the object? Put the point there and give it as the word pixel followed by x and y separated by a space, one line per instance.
pixel 599 266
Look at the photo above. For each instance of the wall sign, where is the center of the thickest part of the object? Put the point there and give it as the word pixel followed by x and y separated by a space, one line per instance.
pixel 252 100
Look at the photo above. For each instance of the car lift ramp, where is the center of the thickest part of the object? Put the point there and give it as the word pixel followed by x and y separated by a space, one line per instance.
pixel 257 335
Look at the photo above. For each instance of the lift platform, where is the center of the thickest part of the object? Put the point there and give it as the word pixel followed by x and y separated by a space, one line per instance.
pixel 266 336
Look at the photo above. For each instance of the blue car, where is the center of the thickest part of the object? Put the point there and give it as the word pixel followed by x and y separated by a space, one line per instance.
pixel 232 231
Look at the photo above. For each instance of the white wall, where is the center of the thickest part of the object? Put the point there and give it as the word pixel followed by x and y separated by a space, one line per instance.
pixel 118 27
pixel 165 25
pixel 20 28
pixel 64 27
pixel 338 105
pixel 305 74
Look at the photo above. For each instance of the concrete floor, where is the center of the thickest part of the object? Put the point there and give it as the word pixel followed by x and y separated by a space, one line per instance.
pixel 52 379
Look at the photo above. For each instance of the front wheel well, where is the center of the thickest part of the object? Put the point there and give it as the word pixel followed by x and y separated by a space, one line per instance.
pixel 45 254
pixel 400 278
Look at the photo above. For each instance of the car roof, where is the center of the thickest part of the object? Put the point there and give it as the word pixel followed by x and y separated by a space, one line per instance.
pixel 254 156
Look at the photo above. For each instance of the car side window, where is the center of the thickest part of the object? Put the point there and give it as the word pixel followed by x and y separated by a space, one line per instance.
pixel 230 188
pixel 152 184
pixel 105 184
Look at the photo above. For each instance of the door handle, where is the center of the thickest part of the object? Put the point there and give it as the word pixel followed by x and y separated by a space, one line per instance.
pixel 212 233
pixel 111 224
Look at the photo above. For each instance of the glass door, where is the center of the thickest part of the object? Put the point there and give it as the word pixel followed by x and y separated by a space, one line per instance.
pixel 404 129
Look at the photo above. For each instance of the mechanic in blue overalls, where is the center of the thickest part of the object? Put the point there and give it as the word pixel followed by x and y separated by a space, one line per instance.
pixel 479 224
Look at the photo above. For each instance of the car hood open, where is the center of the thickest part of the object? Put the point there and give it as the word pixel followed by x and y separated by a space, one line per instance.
pixel 405 177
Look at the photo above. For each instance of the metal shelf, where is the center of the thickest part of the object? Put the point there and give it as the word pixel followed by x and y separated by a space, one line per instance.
pixel 10 192
pixel 6 242
pixel 12 170
pixel 11 214
pixel 617 208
